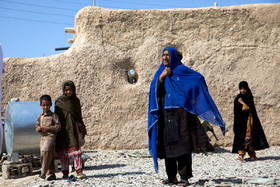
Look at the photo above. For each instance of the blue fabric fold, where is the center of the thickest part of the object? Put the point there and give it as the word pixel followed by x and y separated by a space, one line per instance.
pixel 184 88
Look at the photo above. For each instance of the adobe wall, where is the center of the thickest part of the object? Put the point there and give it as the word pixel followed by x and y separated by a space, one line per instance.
pixel 225 44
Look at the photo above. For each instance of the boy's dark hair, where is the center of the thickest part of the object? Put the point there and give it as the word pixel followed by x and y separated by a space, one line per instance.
pixel 45 97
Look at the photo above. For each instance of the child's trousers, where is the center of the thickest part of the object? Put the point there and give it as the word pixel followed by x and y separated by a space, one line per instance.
pixel 47 162
pixel 65 156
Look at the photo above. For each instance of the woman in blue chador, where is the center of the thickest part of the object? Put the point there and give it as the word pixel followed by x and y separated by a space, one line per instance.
pixel 177 96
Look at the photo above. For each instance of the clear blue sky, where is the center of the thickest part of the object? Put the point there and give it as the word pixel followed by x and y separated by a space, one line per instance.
pixel 34 28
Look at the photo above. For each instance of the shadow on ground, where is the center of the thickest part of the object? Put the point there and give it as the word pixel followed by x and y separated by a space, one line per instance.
pixel 116 174
pixel 216 150
pixel 267 158
pixel 100 167
pixel 218 181
pixel 221 150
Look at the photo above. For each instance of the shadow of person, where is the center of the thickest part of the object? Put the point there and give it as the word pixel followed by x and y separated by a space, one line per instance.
pixel 266 158
pixel 100 167
pixel 217 182
pixel 109 175
pixel 221 150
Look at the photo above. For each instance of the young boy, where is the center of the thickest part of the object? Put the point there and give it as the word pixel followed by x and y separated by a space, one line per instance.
pixel 48 125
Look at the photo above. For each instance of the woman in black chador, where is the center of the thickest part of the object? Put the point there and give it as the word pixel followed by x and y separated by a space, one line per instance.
pixel 248 133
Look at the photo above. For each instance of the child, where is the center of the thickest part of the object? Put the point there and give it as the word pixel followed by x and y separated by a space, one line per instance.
pixel 248 133
pixel 73 130
pixel 47 124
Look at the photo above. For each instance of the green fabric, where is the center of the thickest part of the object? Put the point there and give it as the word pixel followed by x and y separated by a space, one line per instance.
pixel 140 154
pixel 69 111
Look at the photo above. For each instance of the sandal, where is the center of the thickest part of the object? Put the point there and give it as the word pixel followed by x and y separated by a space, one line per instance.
pixel 81 176
pixel 42 176
pixel 183 182
pixel 51 177
pixel 167 181
pixel 240 158
pixel 72 178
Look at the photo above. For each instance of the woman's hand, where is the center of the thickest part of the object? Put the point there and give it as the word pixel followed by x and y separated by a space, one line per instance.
pixel 166 72
pixel 241 101
pixel 244 107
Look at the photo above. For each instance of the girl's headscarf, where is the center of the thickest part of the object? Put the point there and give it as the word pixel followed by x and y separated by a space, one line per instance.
pixel 184 88
pixel 247 97
pixel 244 84
pixel 70 104
pixel 71 84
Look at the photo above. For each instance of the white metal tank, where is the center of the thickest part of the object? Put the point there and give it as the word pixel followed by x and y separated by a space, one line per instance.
pixel 19 127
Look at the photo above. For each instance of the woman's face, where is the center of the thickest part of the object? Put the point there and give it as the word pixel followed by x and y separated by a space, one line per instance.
pixel 165 58
pixel 68 91
pixel 242 91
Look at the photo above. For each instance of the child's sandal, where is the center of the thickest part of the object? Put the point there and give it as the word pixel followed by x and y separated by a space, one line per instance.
pixel 240 158
pixel 71 178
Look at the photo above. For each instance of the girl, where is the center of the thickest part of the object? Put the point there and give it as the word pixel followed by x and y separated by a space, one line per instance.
pixel 249 135
pixel 73 130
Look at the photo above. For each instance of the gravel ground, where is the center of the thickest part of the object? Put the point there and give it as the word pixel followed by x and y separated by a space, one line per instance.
pixel 118 168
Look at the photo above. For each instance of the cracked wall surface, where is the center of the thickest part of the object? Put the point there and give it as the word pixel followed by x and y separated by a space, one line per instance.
pixel 225 44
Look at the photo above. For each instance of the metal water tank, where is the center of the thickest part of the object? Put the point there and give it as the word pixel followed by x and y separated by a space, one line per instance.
pixel 19 129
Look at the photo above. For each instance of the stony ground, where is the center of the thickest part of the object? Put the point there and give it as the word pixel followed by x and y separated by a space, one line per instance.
pixel 119 168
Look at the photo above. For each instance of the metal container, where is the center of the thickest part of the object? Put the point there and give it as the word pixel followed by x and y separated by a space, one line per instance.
pixel 19 129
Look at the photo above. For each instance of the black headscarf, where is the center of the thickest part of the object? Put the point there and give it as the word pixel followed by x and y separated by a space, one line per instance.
pixel 247 98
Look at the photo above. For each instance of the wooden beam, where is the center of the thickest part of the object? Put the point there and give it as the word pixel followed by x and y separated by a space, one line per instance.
pixel 61 48
pixel 70 30
pixel 71 40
